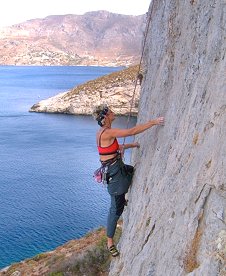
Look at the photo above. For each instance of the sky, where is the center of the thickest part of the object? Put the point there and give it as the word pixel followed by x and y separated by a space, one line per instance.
pixel 18 11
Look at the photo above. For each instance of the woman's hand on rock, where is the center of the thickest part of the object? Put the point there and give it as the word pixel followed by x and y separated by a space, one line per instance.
pixel 160 121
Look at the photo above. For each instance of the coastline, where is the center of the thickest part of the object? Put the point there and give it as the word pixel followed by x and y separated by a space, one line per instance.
pixel 115 89
pixel 88 254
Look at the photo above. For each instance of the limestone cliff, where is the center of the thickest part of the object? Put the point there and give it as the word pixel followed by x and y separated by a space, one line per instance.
pixel 175 223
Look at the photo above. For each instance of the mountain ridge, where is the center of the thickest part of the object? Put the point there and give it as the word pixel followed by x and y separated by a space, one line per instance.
pixel 95 38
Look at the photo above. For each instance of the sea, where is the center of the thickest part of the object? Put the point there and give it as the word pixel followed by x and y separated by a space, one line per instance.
pixel 47 192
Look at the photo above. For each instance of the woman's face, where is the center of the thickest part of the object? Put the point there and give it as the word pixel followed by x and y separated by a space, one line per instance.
pixel 110 115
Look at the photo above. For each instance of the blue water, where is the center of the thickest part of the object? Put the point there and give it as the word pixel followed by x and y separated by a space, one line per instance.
pixel 48 195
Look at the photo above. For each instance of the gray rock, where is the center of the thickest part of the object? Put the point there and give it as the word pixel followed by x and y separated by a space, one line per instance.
pixel 175 222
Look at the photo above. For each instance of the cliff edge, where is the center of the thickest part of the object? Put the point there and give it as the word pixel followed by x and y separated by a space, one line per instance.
pixel 175 223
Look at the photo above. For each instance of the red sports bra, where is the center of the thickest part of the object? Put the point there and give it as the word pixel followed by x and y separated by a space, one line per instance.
pixel 111 149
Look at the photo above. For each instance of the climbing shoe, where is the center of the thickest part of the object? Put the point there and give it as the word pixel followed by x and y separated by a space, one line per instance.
pixel 113 250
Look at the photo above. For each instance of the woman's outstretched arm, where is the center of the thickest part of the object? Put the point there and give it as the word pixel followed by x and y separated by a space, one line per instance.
pixel 117 132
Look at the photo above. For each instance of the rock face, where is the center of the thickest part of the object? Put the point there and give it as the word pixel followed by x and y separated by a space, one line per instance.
pixel 120 90
pixel 95 38
pixel 175 223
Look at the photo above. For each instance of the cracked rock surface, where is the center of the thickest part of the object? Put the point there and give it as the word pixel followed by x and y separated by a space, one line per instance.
pixel 175 222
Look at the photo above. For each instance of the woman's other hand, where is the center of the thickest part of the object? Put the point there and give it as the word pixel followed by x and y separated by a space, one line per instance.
pixel 136 145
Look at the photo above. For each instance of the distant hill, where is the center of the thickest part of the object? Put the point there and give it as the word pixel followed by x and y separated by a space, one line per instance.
pixel 95 38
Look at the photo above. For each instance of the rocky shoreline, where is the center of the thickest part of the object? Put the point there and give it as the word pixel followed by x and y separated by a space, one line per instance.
pixel 115 89
pixel 85 256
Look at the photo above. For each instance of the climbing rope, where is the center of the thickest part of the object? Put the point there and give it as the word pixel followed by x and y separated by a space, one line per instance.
pixel 139 68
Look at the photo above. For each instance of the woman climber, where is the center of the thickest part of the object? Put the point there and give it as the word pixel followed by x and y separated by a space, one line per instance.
pixel 117 175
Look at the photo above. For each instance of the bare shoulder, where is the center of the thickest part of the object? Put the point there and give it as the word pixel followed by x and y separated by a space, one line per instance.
pixel 103 132
pixel 117 132
pixel 107 132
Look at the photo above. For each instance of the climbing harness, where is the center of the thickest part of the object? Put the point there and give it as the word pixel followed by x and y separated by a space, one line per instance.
pixel 101 174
